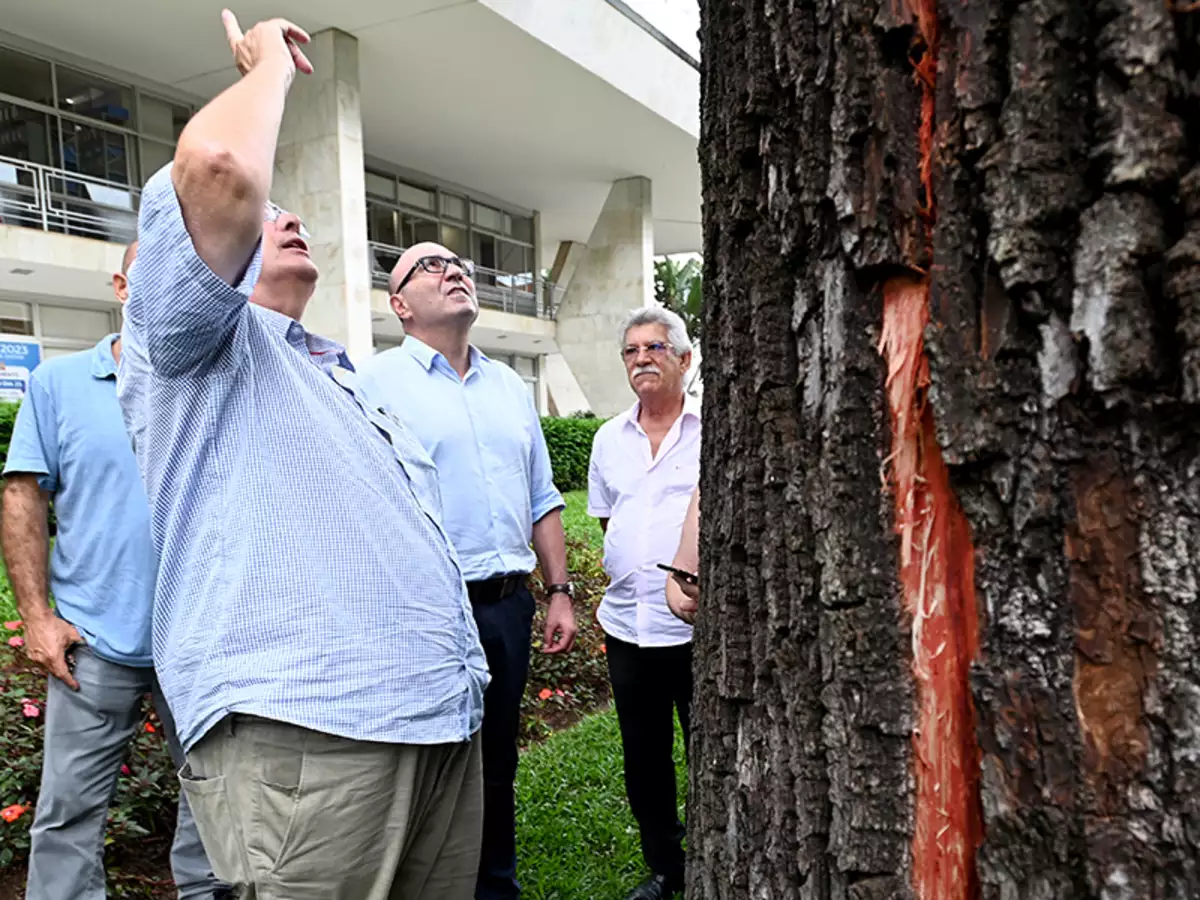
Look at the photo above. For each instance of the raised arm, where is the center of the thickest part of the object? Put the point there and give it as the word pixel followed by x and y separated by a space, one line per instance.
pixel 226 154
pixel 200 223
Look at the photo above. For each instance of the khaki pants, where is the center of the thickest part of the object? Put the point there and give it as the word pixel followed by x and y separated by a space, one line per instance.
pixel 291 814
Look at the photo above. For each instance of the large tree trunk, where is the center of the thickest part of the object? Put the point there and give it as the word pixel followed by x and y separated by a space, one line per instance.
pixel 950 638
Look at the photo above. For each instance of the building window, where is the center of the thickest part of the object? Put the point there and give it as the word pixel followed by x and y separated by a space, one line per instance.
pixel 401 213
pixel 61 329
pixel 59 116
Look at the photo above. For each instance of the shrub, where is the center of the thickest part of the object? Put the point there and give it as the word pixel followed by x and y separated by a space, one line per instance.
pixel 570 444
pixel 8 417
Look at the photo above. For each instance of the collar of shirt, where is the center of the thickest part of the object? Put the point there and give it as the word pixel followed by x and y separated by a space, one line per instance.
pixel 325 353
pixel 691 409
pixel 428 357
pixel 104 364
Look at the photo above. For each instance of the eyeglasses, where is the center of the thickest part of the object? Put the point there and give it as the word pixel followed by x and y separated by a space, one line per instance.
pixel 437 265
pixel 272 212
pixel 657 349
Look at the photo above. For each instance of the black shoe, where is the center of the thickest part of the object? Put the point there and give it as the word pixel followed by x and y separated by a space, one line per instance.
pixel 656 887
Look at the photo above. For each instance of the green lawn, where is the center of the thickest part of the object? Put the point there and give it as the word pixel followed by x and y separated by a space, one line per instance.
pixel 575 835
pixel 578 524
pixel 8 606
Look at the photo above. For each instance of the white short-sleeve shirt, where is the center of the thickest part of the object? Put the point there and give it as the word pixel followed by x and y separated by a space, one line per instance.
pixel 645 499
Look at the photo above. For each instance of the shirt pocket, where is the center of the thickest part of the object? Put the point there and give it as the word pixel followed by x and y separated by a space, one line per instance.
pixel 683 477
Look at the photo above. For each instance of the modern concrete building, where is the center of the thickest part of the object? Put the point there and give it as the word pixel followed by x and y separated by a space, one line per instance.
pixel 552 141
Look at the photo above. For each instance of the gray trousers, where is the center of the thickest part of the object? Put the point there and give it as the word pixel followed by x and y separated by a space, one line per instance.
pixel 87 734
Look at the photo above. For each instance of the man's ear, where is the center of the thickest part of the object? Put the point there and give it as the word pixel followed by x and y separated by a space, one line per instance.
pixel 399 307
pixel 120 286
pixel 686 360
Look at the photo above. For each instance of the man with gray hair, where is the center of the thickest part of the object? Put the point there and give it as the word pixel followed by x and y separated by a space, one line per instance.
pixel 645 465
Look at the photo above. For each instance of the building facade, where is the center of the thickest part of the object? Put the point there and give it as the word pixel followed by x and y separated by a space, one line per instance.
pixel 554 144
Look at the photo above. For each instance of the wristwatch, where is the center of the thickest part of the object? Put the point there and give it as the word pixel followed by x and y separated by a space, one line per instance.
pixel 565 588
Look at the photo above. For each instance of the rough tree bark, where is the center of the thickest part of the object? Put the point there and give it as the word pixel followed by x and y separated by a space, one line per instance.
pixel 950 644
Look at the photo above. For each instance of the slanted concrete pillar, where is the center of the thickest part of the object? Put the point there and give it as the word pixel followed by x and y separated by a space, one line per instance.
pixel 319 176
pixel 614 275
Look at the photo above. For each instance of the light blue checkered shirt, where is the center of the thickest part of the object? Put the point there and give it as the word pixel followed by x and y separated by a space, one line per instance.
pixel 304 574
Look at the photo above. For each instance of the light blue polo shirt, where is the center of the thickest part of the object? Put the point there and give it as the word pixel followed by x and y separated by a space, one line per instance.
pixel 70 433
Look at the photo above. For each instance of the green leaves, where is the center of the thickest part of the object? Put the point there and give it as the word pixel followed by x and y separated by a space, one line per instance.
pixel 570 444
pixel 679 286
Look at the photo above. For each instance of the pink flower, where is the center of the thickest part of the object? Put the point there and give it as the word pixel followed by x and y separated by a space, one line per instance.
pixel 125 770
pixel 30 709
pixel 545 694
pixel 560 693
pixel 14 625
pixel 17 642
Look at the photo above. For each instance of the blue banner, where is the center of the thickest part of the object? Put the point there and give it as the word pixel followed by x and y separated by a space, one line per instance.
pixel 19 356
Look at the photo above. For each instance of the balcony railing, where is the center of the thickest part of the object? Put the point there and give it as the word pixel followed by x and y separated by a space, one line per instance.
pixel 523 294
pixel 37 196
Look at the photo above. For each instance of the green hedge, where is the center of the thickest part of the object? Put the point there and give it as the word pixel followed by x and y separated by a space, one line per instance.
pixel 570 444
pixel 8 416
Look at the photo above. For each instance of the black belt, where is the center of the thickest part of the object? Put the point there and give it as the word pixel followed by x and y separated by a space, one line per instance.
pixel 492 590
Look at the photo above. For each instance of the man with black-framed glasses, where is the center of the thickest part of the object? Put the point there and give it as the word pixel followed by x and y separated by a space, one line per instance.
pixel 477 419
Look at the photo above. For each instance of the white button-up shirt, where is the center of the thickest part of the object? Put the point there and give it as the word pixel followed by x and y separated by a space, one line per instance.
pixel 645 499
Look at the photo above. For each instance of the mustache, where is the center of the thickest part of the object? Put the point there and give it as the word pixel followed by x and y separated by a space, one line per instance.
pixel 649 369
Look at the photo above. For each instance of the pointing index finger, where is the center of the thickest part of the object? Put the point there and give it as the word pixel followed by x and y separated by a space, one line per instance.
pixel 232 30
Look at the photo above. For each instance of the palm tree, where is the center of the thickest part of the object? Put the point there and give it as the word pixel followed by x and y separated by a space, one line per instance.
pixel 679 286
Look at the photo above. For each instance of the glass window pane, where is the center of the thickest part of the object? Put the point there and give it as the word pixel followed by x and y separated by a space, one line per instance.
pixel 410 194
pixel 87 95
pixel 454 207
pixel 381 224
pixel 511 257
pixel 484 250
pixel 52 352
pixel 15 318
pixel 74 323
pixel 154 157
pixel 455 240
pixel 96 152
pixel 381 186
pixel 414 230
pixel 486 217
pixel 526 366
pixel 26 134
pixel 26 77
pixel 522 228
pixel 162 118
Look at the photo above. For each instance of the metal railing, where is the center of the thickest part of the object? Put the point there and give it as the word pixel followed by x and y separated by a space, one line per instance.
pixel 37 196
pixel 522 294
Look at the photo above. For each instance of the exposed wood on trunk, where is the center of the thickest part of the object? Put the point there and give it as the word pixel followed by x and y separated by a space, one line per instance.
pixel 1064 356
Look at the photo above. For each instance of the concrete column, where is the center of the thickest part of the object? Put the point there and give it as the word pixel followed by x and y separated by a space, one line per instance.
pixel 614 275
pixel 319 176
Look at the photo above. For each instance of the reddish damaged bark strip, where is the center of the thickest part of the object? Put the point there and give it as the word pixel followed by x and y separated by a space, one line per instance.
pixel 937 576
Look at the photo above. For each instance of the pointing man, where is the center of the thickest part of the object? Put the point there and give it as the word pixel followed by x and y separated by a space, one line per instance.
pixel 478 422
pixel 312 628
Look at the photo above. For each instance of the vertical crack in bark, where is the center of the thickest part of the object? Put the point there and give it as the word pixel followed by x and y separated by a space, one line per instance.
pixel 937 559
pixel 937 576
